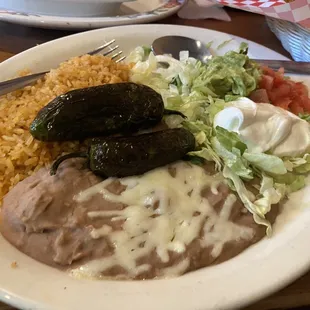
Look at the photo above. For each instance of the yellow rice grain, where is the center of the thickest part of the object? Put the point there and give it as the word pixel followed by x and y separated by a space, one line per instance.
pixel 20 154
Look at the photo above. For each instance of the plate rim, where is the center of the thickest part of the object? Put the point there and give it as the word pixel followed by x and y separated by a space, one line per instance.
pixel 165 9
pixel 258 295
pixel 12 59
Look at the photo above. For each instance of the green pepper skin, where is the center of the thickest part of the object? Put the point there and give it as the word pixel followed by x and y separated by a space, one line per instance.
pixel 126 156
pixel 98 111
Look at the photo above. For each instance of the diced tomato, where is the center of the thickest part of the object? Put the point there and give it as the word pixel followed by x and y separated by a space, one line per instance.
pixel 283 103
pixel 266 82
pixel 306 104
pixel 259 96
pixel 268 71
pixel 282 92
pixel 302 90
pixel 296 108
pixel 278 80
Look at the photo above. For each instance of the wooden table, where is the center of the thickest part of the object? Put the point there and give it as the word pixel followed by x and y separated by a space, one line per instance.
pixel 15 39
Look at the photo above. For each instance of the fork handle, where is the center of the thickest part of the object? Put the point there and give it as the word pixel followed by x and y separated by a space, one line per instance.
pixel 17 83
pixel 288 65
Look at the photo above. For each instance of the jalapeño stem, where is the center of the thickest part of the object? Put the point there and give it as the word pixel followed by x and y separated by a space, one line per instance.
pixel 173 112
pixel 65 157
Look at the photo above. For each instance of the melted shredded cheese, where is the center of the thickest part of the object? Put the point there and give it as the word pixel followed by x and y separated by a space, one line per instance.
pixel 164 213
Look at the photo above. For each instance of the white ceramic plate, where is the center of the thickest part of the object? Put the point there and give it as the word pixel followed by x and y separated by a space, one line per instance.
pixel 137 12
pixel 65 7
pixel 260 270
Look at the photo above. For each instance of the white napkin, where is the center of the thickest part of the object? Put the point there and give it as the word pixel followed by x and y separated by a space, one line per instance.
pixel 203 9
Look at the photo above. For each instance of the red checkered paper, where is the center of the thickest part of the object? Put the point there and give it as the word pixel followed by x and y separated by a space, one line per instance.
pixel 297 11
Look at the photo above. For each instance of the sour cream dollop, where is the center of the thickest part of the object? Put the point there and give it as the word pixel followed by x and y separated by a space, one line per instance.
pixel 264 127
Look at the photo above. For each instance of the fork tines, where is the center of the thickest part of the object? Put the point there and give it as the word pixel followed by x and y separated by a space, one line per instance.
pixel 110 49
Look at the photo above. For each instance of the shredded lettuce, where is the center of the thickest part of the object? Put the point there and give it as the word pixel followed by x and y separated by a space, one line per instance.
pixel 293 182
pixel 188 83
pixel 305 116
pixel 243 48
pixel 232 159
pixel 229 148
pixel 227 75
pixel 201 90
pixel 267 163
pixel 203 134
pixel 239 166
pixel 216 105
pixel 258 207
pixel 209 44
pixel 299 165
pixel 230 140
pixel 147 50
pixel 223 44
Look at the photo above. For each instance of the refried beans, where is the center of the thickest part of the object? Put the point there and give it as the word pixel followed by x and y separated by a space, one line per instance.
pixel 165 223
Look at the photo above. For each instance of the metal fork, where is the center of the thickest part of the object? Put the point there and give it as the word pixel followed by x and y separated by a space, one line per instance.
pixel 17 83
